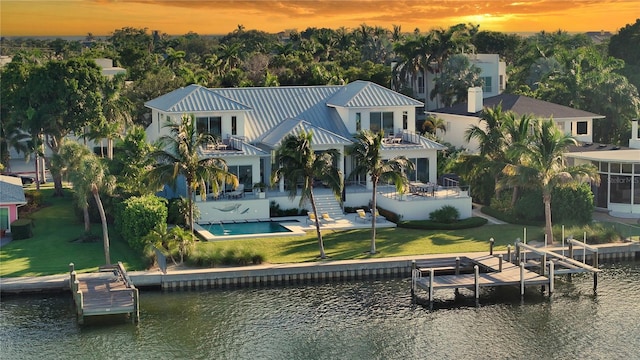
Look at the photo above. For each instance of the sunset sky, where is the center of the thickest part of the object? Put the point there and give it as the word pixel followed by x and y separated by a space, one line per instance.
pixel 175 17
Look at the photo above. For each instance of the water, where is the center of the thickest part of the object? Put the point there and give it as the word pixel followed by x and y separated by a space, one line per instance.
pixel 359 320
pixel 264 227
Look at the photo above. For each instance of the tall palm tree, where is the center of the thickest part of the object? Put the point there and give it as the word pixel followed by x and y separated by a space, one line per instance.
pixel 432 124
pixel 517 133
pixel 180 155
pixel 117 110
pixel 299 164
pixel 367 155
pixel 541 162
pixel 88 175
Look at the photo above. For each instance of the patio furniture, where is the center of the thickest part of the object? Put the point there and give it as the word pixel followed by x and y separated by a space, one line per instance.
pixel 362 216
pixel 311 218
pixel 327 218
pixel 237 193
pixel 377 215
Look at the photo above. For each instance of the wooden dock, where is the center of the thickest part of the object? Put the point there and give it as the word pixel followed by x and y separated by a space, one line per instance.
pixel 493 270
pixel 105 293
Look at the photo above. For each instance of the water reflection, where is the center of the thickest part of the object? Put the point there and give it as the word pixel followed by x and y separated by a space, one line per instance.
pixel 364 320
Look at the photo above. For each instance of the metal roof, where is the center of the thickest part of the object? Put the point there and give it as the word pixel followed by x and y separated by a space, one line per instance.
pixel 194 99
pixel 521 105
pixel 271 105
pixel 295 126
pixel 11 191
pixel 363 94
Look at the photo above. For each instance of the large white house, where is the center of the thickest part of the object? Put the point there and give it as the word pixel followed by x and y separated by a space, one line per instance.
pixel 250 124
pixel 619 167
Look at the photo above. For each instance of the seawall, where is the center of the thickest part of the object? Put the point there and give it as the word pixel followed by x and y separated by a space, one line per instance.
pixel 285 274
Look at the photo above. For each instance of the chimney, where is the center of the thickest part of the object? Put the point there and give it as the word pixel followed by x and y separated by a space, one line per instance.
pixel 474 101
pixel 634 142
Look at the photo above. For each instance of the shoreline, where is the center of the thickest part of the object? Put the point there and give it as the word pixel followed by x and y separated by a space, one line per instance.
pixel 272 275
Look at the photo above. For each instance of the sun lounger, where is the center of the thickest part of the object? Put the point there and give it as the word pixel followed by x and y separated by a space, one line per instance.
pixel 327 218
pixel 311 218
pixel 362 216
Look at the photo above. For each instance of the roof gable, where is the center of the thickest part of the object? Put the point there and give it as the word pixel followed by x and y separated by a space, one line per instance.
pixel 194 99
pixel 321 137
pixel 521 105
pixel 362 94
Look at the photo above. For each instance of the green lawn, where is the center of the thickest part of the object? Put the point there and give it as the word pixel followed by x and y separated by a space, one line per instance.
pixel 51 249
pixel 355 244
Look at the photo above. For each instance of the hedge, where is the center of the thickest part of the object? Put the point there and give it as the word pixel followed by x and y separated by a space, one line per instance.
pixel 21 229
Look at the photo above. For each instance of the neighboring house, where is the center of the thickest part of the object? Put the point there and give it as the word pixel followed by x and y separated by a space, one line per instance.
pixel 11 197
pixel 493 73
pixel 458 118
pixel 250 123
pixel 108 69
pixel 619 190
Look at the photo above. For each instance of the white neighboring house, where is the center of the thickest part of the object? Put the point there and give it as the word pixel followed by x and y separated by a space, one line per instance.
pixel 619 189
pixel 493 73
pixel 250 124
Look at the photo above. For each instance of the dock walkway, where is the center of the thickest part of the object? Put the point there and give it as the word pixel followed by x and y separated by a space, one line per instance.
pixel 105 293
pixel 492 270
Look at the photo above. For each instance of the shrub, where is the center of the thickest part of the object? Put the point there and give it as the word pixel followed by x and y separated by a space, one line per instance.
pixel 446 215
pixel 597 233
pixel 21 229
pixel 211 256
pixel 572 204
pixel 138 216
pixel 34 202
pixel 529 207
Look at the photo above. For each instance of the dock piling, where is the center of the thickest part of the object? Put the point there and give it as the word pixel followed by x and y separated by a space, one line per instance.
pixel 521 279
pixel 491 243
pixel 500 263
pixel 509 253
pixel 476 271
pixel 551 277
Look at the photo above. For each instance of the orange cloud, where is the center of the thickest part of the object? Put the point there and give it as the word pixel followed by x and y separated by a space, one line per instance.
pixel 101 17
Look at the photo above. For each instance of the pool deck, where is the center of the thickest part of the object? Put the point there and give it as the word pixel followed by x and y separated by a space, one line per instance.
pixel 299 226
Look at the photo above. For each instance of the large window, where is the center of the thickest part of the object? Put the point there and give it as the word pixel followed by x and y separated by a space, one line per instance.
pixel 420 85
pixel 405 120
pixel 358 121
pixel 381 121
pixel 244 174
pixel 620 189
pixel 234 125
pixel 421 170
pixel 210 125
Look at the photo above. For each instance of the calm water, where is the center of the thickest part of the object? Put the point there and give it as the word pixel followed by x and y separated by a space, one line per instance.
pixel 266 227
pixel 365 320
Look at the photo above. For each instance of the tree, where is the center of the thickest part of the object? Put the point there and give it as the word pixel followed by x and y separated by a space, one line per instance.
pixel 61 97
pixel 457 77
pixel 117 111
pixel 179 155
pixel 367 155
pixel 298 164
pixel 88 175
pixel 432 124
pixel 541 162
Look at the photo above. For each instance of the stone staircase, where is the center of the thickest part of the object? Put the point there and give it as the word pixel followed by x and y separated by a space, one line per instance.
pixel 327 204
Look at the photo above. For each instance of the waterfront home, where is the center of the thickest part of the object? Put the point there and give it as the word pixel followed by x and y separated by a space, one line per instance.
pixel 11 197
pixel 248 124
pixel 619 167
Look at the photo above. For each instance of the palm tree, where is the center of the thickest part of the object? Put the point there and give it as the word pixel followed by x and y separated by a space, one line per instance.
pixel 517 133
pixel 179 155
pixel 367 155
pixel 432 124
pixel 299 164
pixel 541 162
pixel 117 110
pixel 88 175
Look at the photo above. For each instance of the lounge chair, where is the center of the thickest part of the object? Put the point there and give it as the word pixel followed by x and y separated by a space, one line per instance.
pixel 327 218
pixel 377 215
pixel 362 215
pixel 311 218
pixel 237 193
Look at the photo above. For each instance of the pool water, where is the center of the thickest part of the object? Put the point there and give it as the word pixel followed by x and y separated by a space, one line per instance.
pixel 263 227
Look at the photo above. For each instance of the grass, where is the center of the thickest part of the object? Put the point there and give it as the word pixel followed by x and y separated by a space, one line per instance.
pixel 52 246
pixel 51 249
pixel 355 244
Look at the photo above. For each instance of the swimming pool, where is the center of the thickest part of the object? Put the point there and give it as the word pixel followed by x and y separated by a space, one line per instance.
pixel 245 228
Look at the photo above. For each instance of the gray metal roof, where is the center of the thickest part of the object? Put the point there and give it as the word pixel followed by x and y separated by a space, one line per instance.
pixel 363 94
pixel 271 105
pixel 194 99
pixel 11 191
pixel 521 105
pixel 295 127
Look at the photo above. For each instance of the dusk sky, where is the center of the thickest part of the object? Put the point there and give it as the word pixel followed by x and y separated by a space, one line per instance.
pixel 176 17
